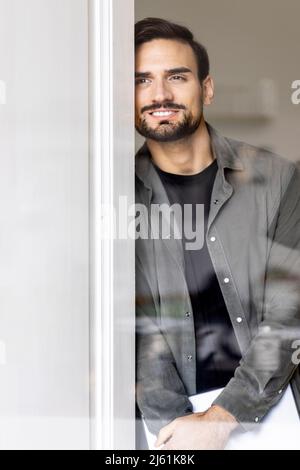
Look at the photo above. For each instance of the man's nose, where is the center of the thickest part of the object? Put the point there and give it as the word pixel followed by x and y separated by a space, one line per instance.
pixel 162 92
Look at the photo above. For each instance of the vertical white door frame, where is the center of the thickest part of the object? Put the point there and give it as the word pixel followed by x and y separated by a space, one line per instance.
pixel 112 316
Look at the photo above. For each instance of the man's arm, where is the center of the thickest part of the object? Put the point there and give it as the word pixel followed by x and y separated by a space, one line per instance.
pixel 267 367
pixel 161 395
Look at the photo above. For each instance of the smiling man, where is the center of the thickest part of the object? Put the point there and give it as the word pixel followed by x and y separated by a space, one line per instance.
pixel 206 317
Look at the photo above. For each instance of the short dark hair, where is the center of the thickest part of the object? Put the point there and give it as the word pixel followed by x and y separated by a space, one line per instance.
pixel 157 28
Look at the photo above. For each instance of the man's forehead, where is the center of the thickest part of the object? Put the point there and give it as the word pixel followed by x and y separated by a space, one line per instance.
pixel 165 54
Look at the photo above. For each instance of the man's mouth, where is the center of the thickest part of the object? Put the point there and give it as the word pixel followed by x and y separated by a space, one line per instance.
pixel 164 113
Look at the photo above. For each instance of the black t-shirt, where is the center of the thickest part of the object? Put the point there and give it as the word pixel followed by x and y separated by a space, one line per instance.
pixel 218 353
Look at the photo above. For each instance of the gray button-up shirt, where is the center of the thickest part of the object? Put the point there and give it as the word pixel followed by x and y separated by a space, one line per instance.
pixel 253 237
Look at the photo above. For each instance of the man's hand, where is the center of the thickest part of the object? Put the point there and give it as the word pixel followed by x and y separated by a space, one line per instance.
pixel 199 431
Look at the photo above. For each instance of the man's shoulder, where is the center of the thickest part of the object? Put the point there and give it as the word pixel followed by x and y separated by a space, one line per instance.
pixel 262 160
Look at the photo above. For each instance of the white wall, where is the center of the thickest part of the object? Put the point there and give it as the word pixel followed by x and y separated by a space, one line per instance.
pixel 44 329
pixel 246 41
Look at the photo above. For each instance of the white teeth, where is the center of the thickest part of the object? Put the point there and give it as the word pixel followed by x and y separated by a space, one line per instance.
pixel 163 113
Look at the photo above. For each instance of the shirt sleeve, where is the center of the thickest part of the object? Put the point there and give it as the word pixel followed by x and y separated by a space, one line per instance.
pixel 267 367
pixel 160 393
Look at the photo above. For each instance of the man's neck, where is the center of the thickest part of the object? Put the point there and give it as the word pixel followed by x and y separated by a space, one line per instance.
pixel 187 156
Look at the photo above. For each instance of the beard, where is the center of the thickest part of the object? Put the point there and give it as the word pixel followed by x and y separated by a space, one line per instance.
pixel 169 131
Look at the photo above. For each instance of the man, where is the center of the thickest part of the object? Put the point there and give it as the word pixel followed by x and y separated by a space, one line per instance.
pixel 225 313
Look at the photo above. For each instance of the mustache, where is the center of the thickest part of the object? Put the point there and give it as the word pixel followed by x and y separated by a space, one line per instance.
pixel 169 105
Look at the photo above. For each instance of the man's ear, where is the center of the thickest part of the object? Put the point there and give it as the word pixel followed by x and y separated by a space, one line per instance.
pixel 208 90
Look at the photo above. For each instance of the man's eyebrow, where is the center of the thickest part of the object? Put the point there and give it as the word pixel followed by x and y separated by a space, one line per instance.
pixel 179 70
pixel 167 72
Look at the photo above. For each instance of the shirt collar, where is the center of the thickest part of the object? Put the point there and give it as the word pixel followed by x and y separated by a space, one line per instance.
pixel 223 151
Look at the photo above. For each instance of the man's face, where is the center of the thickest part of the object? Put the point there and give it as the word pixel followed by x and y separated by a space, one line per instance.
pixel 168 94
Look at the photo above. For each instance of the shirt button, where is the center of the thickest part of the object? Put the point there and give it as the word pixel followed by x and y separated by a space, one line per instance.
pixel 256 419
pixel 266 329
pixel 280 391
pixel 216 201
pixel 190 358
pixel 226 280
pixel 239 319
pixel 213 239
pixel 188 314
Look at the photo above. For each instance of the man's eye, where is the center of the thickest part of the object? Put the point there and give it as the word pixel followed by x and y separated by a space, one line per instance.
pixel 141 81
pixel 178 77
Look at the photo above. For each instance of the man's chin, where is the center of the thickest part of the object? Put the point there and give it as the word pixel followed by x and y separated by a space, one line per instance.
pixel 162 137
pixel 166 134
pixel 167 131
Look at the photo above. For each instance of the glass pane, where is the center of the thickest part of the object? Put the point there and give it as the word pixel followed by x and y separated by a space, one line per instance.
pixel 44 187
pixel 218 232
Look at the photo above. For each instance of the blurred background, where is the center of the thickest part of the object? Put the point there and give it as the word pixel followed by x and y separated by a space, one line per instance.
pixel 254 49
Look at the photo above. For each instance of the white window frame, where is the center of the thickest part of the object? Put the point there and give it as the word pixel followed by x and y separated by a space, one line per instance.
pixel 112 312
